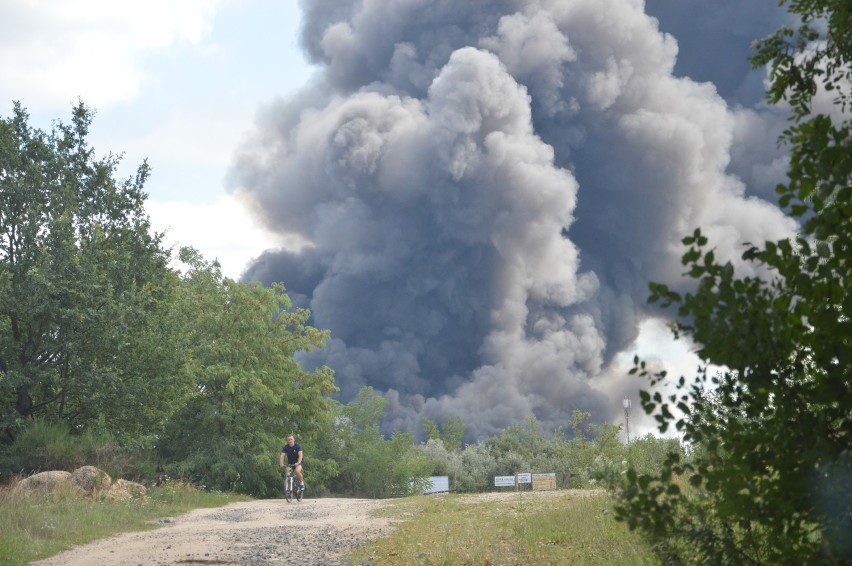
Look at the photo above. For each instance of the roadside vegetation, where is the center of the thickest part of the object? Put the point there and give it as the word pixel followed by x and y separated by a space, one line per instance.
pixel 558 527
pixel 770 481
pixel 141 360
pixel 36 526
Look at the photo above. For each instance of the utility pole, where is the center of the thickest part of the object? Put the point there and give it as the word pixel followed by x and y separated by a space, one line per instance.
pixel 626 405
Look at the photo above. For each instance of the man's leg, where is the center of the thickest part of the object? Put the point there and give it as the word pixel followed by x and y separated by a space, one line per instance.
pixel 299 476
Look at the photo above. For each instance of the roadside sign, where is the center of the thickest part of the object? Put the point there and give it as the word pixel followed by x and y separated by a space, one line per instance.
pixel 509 481
pixel 544 481
pixel 437 484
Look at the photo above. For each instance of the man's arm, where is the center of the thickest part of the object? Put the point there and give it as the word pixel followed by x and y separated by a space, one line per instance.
pixel 299 461
pixel 281 459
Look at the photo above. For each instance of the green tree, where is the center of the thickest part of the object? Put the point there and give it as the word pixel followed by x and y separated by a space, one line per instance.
pixel 771 478
pixel 84 286
pixel 248 389
pixel 450 433
pixel 369 463
pixel 430 429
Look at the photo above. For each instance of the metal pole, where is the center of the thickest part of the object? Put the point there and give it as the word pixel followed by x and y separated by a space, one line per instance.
pixel 626 405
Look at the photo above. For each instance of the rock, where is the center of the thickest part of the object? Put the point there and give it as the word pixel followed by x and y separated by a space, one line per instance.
pixel 90 479
pixel 43 482
pixel 122 490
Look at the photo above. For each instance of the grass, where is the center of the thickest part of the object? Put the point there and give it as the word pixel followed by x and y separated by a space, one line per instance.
pixel 567 527
pixel 38 526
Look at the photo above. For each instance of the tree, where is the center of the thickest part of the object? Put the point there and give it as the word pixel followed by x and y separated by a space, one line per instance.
pixel 450 433
pixel 84 286
pixel 249 391
pixel 370 464
pixel 771 478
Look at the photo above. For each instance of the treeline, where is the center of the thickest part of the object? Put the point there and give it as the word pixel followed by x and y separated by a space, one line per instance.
pixel 110 353
pixel 364 462
pixel 147 362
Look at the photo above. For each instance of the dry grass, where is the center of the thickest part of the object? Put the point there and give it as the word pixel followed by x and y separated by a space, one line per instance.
pixel 38 525
pixel 551 527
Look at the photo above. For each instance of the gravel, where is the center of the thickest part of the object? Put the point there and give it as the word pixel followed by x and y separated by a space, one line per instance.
pixel 312 532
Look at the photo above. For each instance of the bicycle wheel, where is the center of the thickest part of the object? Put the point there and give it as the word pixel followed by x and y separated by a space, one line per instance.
pixel 299 493
pixel 288 490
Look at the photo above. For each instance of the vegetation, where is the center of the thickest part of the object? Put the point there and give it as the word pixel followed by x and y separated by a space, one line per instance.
pixel 33 530
pixel 367 463
pixel 770 480
pixel 103 341
pixel 83 284
pixel 110 356
pixel 248 391
pixel 52 446
pixel 530 528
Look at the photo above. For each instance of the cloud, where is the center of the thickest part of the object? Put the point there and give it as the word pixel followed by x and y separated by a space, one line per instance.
pixel 486 193
pixel 222 230
pixel 93 49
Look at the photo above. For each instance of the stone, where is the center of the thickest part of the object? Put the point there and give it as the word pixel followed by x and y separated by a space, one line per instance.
pixel 89 480
pixel 122 490
pixel 43 482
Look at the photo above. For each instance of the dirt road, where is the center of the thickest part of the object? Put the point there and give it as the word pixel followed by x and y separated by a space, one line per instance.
pixel 313 532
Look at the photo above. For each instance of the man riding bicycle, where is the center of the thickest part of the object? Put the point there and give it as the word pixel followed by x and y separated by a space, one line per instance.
pixel 293 451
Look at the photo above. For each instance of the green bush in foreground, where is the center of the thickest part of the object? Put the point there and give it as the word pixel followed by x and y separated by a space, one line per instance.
pixel 770 481
pixel 45 446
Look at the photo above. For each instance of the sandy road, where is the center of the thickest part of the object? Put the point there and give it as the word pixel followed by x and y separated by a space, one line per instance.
pixel 313 532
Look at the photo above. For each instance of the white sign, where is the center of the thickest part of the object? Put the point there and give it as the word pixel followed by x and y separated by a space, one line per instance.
pixel 509 481
pixel 437 484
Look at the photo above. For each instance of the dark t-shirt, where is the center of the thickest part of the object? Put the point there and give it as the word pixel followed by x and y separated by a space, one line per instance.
pixel 292 452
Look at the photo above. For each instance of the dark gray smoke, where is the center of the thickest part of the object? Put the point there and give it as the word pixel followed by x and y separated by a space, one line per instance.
pixel 485 189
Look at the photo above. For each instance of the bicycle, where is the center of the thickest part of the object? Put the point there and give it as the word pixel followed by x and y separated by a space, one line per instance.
pixel 289 482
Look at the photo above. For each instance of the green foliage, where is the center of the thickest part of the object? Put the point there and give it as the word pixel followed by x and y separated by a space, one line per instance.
pixel 248 389
pixel 816 53
pixel 369 464
pixel 40 447
pixel 390 466
pixel 450 433
pixel 84 285
pixel 770 481
pixel 518 447
pixel 595 457
pixel 646 454
pixel 46 446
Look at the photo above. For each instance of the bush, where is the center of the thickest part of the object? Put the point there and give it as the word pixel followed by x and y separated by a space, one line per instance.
pixel 46 446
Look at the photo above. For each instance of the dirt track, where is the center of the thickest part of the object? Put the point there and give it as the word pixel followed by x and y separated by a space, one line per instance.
pixel 313 532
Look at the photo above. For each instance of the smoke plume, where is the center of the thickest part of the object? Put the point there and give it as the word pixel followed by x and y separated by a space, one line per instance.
pixel 484 189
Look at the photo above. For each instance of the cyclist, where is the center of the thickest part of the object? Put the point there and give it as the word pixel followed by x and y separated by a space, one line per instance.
pixel 293 451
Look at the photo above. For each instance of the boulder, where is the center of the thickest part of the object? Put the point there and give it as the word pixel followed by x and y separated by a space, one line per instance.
pixel 122 490
pixel 90 479
pixel 43 482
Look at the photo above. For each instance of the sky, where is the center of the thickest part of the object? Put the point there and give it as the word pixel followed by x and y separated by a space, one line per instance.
pixel 472 196
pixel 177 83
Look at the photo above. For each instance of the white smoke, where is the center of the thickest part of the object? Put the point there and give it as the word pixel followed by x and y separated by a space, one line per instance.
pixel 485 190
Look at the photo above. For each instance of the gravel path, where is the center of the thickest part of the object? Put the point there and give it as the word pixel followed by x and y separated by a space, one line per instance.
pixel 314 532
